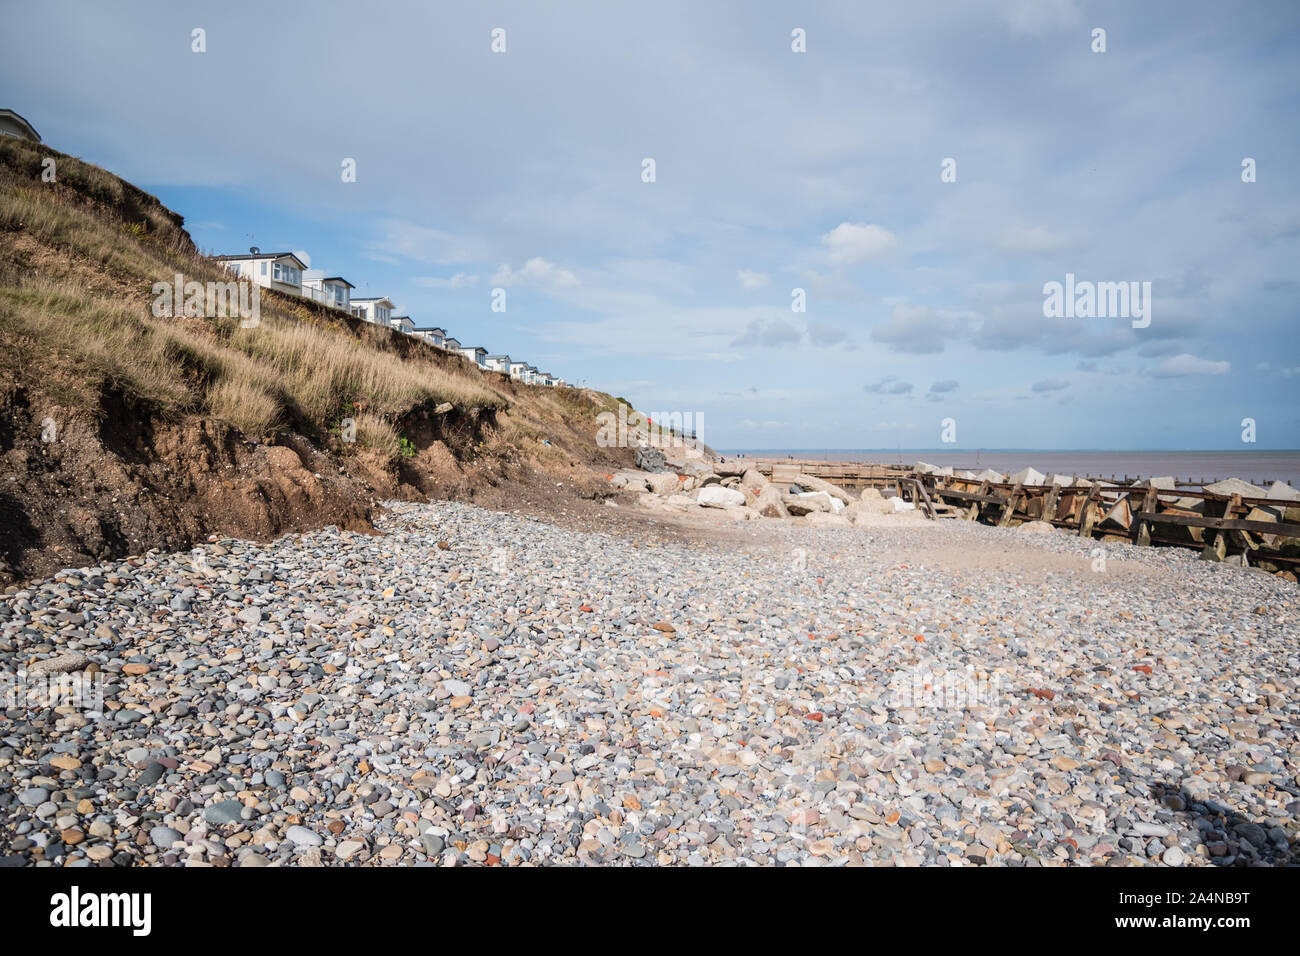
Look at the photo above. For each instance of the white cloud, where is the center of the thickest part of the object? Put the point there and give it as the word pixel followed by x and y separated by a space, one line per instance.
pixel 536 272
pixel 1031 240
pixel 1036 17
pixel 1179 365
pixel 889 385
pixel 776 331
pixel 827 287
pixel 769 332
pixel 851 243
pixel 750 280
pixel 410 240
pixel 459 281
pixel 921 330
pixel 1050 385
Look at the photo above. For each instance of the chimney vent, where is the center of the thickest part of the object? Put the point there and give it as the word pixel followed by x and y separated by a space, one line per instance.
pixel 254 250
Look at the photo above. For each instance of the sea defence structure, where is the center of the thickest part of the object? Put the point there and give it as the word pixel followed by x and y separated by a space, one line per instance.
pixel 1229 520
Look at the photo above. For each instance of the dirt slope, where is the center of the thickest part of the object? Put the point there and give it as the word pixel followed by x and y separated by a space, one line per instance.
pixel 121 432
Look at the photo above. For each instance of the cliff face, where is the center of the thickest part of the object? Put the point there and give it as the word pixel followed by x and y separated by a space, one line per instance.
pixel 122 430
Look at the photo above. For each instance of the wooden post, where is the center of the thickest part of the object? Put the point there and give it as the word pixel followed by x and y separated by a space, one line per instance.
pixel 1089 513
pixel 974 511
pixel 1143 529
pixel 1049 505
pixel 1009 508
pixel 924 499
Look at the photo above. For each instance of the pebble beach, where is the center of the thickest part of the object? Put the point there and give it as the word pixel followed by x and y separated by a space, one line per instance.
pixel 472 687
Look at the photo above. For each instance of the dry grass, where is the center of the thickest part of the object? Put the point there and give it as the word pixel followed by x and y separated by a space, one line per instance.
pixel 83 342
pixel 246 405
pixel 78 260
pixel 75 290
pixel 376 434
pixel 326 372
pixel 258 379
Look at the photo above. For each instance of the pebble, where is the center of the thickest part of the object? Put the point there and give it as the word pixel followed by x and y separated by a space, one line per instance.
pixel 348 848
pixel 759 697
pixel 227 811
pixel 301 836
pixel 164 837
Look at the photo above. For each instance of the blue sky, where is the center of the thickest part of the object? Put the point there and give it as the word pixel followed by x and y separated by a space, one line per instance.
pixel 775 170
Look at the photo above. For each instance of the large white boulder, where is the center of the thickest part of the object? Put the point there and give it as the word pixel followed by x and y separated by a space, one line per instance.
pixel 733 468
pixel 768 503
pixel 715 496
pixel 1281 491
pixel 900 505
pixel 805 502
pixel 813 483
pixel 632 480
pixel 663 483
pixel 1235 486
pixel 1027 476
pixel 820 500
pixel 872 502
pixel 1037 527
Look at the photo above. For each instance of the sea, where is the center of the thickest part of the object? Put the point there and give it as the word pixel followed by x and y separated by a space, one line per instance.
pixel 1257 467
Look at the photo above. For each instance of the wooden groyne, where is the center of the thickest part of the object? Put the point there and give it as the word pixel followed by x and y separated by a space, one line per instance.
pixel 847 474
pixel 1242 529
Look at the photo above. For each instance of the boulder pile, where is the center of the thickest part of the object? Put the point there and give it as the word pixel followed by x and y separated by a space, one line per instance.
pixel 734 490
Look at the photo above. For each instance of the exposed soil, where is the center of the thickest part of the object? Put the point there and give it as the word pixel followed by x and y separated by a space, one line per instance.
pixel 90 470
pixel 131 482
